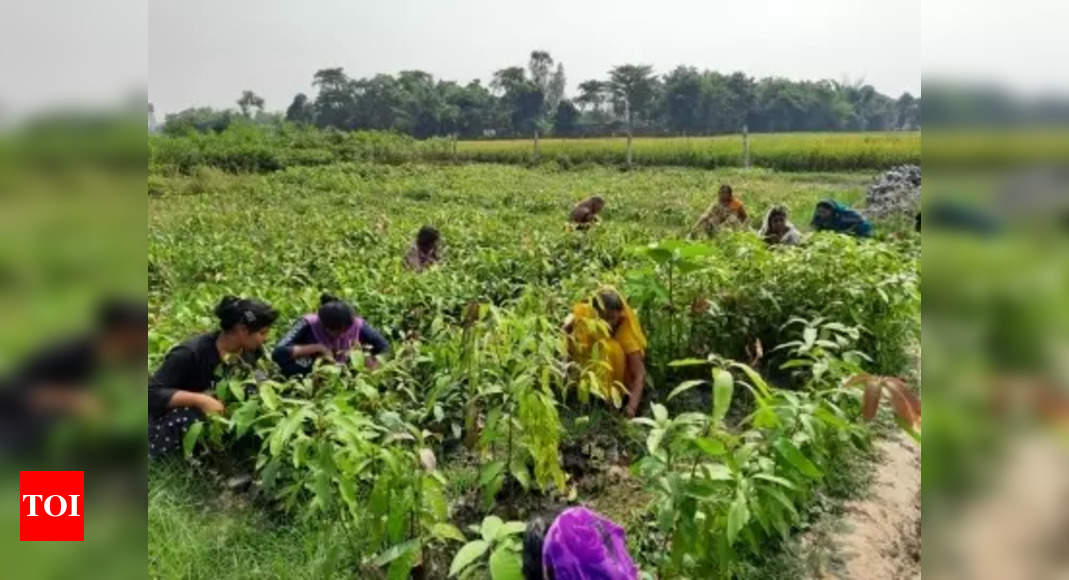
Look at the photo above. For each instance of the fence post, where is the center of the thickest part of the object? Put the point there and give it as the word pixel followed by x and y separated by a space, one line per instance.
pixel 454 147
pixel 627 114
pixel 536 152
pixel 745 145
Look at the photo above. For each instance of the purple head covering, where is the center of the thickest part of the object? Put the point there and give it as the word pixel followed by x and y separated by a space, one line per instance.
pixel 341 344
pixel 584 545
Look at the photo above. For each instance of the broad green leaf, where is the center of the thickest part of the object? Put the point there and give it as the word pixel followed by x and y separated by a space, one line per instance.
pixel 189 440
pixel 709 446
pixel 689 362
pixel 519 470
pixel 653 442
pixel 467 555
pixel 244 416
pixel 723 389
pixel 401 568
pixel 505 564
pixel 268 396
pixel 755 379
pixel 738 516
pixel 775 479
pixel 659 412
pixel 782 498
pixel 683 387
pixel 394 552
pixel 790 452
pixel 490 471
pixel 237 389
pixel 444 531
pixel 718 472
pixel 490 526
pixel 511 529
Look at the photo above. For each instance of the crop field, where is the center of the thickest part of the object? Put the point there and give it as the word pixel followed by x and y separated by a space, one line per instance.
pixel 249 148
pixel 783 151
pixel 430 465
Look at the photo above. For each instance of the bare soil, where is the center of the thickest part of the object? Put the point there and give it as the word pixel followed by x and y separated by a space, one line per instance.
pixel 878 537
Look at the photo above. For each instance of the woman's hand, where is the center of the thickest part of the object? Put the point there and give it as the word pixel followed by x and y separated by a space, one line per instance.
pixel 312 350
pixel 210 405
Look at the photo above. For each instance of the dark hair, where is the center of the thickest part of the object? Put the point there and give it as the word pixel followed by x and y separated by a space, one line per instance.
pixel 334 313
pixel 725 187
pixel 427 235
pixel 826 204
pixel 597 199
pixel 533 540
pixel 779 211
pixel 254 314
pixel 607 300
pixel 121 314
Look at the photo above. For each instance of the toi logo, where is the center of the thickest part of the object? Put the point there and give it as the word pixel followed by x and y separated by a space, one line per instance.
pixel 51 506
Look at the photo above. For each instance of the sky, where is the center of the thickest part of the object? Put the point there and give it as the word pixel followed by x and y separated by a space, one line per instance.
pixel 205 52
pixel 198 52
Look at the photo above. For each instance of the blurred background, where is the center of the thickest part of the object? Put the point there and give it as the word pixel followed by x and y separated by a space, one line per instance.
pixel 72 275
pixel 995 291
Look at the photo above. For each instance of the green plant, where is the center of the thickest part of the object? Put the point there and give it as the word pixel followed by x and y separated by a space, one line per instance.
pixel 498 539
pixel 722 493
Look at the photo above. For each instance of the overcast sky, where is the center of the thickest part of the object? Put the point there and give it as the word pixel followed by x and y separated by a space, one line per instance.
pixel 205 52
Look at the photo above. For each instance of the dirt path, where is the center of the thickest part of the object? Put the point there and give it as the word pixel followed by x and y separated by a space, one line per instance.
pixel 878 537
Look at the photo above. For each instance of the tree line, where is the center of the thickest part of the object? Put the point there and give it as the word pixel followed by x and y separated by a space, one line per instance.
pixel 521 101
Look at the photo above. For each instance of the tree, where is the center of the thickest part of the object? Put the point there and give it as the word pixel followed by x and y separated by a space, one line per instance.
pixel 636 86
pixel 555 90
pixel 592 93
pixel 336 100
pixel 907 112
pixel 539 66
pixel 523 99
pixel 250 100
pixel 300 110
pixel 683 100
pixel 566 119
pixel 202 119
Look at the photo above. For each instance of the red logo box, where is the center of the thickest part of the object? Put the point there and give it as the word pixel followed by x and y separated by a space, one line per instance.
pixel 51 506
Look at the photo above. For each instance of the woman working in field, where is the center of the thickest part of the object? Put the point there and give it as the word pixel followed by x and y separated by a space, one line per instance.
pixel 178 392
pixel 585 213
pixel 833 216
pixel 777 229
pixel 726 212
pixel 605 337
pixel 331 333
pixel 424 251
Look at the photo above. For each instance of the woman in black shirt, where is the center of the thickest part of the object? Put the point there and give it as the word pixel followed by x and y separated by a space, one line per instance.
pixel 331 333
pixel 179 391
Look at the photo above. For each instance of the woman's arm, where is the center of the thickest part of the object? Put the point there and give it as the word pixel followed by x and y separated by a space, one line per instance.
pixel 636 373
pixel 298 342
pixel 370 336
pixel 205 402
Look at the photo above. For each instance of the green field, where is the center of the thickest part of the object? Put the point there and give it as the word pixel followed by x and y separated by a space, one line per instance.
pixel 785 151
pixel 248 148
pixel 476 375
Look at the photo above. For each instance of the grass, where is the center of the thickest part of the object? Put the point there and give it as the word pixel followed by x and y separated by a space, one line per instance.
pixel 197 532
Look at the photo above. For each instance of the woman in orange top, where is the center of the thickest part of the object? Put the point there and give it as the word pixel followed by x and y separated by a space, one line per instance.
pixel 606 339
pixel 727 211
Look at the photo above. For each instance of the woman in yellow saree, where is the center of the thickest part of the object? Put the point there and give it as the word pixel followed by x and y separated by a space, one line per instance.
pixel 606 340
